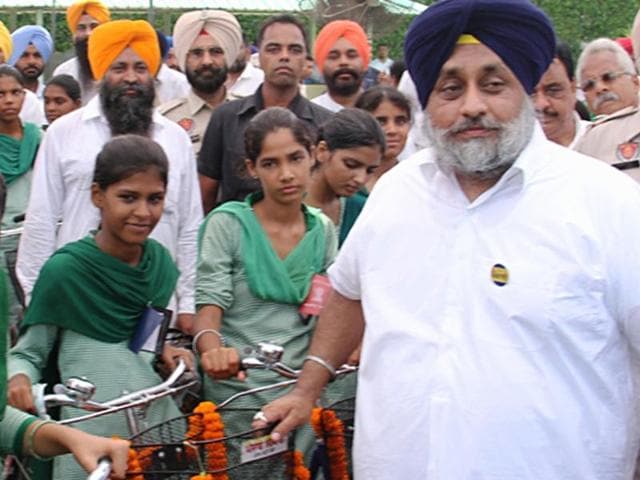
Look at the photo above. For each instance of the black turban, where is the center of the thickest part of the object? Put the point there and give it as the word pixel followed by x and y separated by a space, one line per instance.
pixel 516 30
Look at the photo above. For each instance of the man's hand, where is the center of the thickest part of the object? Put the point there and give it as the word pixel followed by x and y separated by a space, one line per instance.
pixel 222 363
pixel 289 412
pixel 19 393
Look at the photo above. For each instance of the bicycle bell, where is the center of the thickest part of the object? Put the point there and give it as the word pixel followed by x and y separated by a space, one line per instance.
pixel 80 388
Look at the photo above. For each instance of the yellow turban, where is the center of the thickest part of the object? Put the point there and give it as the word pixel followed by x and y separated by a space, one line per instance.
pixel 110 39
pixel 5 42
pixel 93 8
pixel 221 25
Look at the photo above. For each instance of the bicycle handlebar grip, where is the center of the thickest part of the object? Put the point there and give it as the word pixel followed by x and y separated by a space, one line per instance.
pixel 102 471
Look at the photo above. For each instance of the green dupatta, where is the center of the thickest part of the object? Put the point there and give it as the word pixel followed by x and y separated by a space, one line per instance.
pixel 17 156
pixel 84 289
pixel 270 277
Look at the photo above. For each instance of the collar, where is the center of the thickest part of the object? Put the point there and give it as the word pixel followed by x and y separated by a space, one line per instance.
pixel 93 110
pixel 196 104
pixel 299 105
pixel 623 112
pixel 519 175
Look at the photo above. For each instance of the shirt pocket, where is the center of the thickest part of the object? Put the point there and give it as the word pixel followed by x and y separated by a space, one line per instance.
pixel 513 299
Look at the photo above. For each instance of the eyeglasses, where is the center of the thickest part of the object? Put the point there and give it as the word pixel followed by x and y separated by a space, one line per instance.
pixel 607 78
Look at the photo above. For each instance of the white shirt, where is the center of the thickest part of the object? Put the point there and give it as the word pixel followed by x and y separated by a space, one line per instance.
pixel 462 379
pixel 72 67
pixel 327 102
pixel 381 65
pixel 247 83
pixel 417 138
pixel 170 84
pixel 32 110
pixel 61 191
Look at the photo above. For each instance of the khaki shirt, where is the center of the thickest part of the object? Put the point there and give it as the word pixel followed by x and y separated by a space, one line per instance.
pixel 616 140
pixel 192 113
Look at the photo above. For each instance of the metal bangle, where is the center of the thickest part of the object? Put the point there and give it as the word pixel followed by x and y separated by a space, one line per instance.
pixel 31 439
pixel 194 343
pixel 323 362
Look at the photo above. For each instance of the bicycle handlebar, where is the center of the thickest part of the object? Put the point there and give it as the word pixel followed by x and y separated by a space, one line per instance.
pixel 77 392
pixel 102 471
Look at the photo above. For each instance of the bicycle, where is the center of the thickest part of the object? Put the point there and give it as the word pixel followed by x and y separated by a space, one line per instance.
pixel 206 451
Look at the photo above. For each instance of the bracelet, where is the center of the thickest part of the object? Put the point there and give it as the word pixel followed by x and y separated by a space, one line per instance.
pixel 194 343
pixel 31 438
pixel 323 362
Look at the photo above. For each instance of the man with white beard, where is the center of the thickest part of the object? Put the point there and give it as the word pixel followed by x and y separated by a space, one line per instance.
pixel 502 314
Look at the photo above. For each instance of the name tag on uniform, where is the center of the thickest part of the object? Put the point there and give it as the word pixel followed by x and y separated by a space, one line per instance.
pixel 627 154
pixel 317 297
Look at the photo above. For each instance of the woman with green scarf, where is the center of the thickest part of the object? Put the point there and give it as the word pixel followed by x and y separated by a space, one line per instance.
pixel 257 260
pixel 93 294
pixel 22 434
pixel 18 147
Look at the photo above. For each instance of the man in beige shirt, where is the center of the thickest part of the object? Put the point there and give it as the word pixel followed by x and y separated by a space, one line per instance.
pixel 607 77
pixel 206 43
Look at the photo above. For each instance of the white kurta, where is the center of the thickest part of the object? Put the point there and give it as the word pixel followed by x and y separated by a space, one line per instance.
pixel 61 191
pixel 327 102
pixel 247 83
pixel 32 110
pixel 463 379
pixel 170 84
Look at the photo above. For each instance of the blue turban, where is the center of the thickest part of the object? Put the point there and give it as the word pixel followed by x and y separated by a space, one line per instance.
pixel 31 34
pixel 516 30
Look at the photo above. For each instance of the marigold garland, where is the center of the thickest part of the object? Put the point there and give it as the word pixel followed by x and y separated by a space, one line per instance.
pixel 133 465
pixel 330 428
pixel 296 468
pixel 207 425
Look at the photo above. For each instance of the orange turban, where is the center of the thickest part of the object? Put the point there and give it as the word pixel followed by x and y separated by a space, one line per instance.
pixel 337 29
pixel 93 8
pixel 6 44
pixel 110 39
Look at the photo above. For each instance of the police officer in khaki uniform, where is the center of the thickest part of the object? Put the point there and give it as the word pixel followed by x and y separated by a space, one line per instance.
pixel 206 42
pixel 607 77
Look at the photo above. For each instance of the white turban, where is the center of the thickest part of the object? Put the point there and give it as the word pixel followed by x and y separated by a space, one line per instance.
pixel 221 25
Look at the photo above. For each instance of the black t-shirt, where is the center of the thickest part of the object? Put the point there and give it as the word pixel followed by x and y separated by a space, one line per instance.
pixel 222 155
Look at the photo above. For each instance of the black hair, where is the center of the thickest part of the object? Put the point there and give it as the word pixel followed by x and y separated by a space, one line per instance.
pixel 563 53
pixel 396 69
pixel 371 99
pixel 9 71
pixel 69 84
pixel 270 120
pixel 126 155
pixel 352 128
pixel 284 18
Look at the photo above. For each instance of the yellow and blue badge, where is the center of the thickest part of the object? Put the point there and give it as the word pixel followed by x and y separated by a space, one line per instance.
pixel 499 275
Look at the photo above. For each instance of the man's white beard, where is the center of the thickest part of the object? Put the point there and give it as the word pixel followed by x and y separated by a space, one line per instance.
pixel 482 158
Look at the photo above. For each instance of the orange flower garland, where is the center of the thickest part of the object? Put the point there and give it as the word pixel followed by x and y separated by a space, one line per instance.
pixel 296 467
pixel 133 465
pixel 202 476
pixel 209 422
pixel 330 428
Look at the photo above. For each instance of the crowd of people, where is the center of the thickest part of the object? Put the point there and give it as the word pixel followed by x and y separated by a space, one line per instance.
pixel 482 266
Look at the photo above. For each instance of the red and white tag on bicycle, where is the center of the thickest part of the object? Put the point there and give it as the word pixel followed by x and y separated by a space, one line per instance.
pixel 262 447
pixel 317 297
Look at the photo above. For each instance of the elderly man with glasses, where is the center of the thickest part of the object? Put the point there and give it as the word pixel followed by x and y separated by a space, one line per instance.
pixel 608 79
